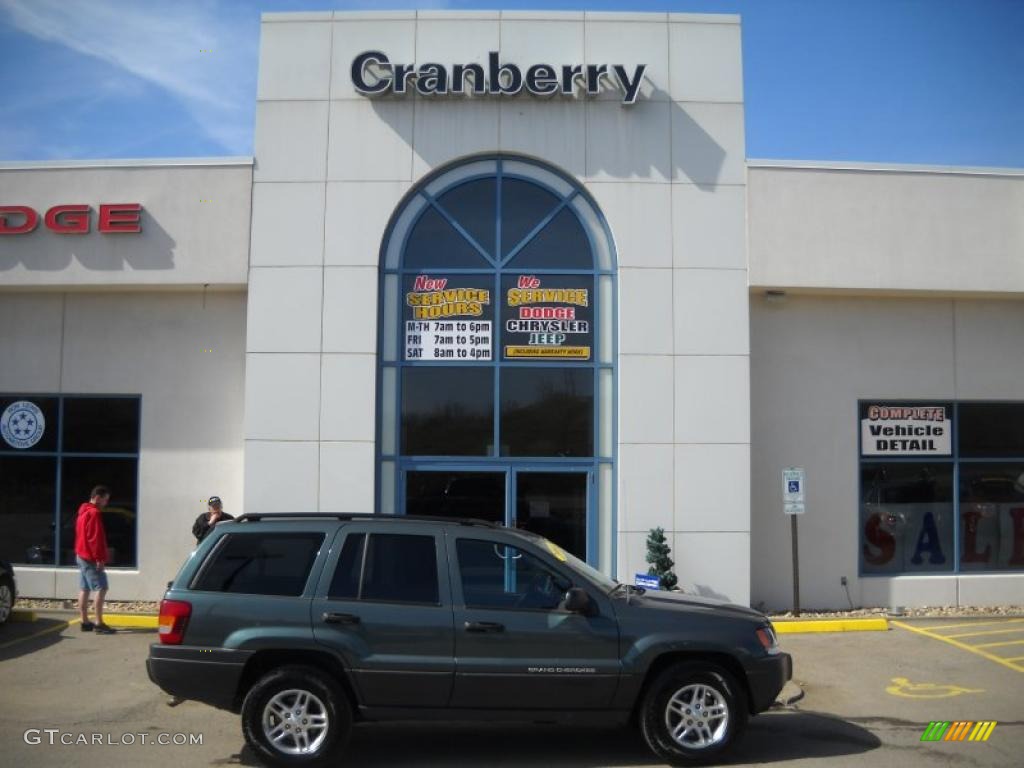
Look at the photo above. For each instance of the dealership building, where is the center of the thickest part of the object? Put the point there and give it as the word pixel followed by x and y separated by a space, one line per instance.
pixel 517 266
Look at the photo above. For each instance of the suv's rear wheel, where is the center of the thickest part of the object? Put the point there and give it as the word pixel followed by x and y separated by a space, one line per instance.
pixel 692 713
pixel 6 598
pixel 296 716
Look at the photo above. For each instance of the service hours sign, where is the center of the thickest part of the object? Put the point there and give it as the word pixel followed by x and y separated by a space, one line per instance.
pixel 448 319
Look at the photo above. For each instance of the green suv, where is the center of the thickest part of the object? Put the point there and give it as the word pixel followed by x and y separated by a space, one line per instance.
pixel 307 624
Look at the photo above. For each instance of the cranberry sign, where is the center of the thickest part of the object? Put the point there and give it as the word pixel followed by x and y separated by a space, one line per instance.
pixel 72 219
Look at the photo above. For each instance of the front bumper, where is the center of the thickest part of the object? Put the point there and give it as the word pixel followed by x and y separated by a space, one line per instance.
pixel 209 675
pixel 766 677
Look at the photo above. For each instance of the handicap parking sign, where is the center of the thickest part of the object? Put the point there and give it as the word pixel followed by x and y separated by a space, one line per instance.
pixel 793 489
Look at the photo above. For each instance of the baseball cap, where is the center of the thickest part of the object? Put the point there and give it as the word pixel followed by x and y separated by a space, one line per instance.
pixel 214 500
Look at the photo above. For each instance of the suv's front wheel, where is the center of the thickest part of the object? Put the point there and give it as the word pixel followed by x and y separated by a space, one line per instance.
pixel 296 716
pixel 692 713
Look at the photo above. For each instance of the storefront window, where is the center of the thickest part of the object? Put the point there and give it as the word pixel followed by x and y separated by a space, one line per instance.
pixel 497 348
pixel 528 205
pixel 79 475
pixel 907 517
pixel 991 430
pixel 447 412
pixel 472 206
pixel 29 424
pixel 101 425
pixel 547 412
pixel 434 233
pixel 563 235
pixel 28 496
pixel 480 495
pixel 912 520
pixel 53 451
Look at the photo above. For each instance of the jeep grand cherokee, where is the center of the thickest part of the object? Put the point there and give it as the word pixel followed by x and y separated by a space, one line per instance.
pixel 307 624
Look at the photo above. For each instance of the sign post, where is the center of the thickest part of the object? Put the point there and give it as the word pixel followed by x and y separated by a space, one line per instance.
pixel 794 482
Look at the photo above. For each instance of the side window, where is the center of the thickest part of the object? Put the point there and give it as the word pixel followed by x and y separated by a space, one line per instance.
pixel 345 584
pixel 499 576
pixel 398 568
pixel 261 564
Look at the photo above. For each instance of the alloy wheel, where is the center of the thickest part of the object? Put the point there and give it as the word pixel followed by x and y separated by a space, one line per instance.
pixel 6 602
pixel 697 716
pixel 295 722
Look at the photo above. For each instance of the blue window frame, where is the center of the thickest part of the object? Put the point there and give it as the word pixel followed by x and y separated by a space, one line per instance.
pixel 941 487
pixel 496 336
pixel 54 448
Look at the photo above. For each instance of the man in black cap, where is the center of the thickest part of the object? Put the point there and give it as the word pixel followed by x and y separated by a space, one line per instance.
pixel 214 514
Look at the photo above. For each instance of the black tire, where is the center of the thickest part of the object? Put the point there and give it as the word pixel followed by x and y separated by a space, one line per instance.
pixel 703 738
pixel 325 694
pixel 6 598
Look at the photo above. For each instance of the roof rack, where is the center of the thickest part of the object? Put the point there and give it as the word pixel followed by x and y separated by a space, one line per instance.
pixel 255 517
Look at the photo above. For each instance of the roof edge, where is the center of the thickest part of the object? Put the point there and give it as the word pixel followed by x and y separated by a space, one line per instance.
pixel 843 165
pixel 139 162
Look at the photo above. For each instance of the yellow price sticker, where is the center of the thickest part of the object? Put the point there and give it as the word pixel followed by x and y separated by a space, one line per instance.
pixel 555 550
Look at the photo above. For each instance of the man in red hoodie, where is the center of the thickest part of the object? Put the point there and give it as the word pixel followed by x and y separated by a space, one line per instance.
pixel 91 554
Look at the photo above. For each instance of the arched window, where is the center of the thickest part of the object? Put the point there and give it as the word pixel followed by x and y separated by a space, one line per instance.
pixel 496 355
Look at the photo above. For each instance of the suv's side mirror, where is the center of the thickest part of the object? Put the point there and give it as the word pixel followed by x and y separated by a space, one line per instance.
pixel 578 601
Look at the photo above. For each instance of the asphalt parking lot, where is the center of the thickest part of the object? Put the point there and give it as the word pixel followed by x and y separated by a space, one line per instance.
pixel 868 698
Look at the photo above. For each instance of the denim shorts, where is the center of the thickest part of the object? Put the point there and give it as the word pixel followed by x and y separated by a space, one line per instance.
pixel 90 578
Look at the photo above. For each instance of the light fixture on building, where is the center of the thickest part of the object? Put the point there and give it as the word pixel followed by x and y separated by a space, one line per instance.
pixel 775 296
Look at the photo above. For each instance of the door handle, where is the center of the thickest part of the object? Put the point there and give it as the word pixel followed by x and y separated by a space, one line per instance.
pixel 340 618
pixel 484 626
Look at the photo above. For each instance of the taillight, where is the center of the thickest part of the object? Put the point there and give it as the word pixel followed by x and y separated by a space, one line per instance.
pixel 173 620
pixel 767 638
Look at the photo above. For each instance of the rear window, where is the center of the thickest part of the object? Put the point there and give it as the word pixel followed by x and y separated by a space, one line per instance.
pixel 260 564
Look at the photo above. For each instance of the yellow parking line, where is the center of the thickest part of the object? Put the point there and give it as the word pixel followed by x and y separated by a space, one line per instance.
pixel 996 645
pixel 974 624
pixel 987 632
pixel 1015 658
pixel 56 628
pixel 958 644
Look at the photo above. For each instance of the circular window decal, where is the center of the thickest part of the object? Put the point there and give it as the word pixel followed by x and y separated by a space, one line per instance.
pixel 22 424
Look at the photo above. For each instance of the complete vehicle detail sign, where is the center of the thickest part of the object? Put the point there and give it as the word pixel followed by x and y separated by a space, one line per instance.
pixel 548 317
pixel 448 318
pixel 373 74
pixel 905 430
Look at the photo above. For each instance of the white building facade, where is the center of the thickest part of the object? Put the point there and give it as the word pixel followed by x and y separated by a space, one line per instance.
pixel 517 266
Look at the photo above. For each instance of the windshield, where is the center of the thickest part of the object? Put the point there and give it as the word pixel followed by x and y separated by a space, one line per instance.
pixel 587 571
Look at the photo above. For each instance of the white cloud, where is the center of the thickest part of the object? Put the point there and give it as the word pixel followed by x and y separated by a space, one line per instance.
pixel 161 43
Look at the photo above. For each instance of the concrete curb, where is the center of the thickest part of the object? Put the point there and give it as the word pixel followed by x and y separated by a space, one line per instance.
pixel 799 626
pixel 138 620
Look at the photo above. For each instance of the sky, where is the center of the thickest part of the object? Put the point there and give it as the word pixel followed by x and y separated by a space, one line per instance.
pixel 938 82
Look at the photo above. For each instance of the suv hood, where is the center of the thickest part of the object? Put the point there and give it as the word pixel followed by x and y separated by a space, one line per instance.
pixel 678 601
